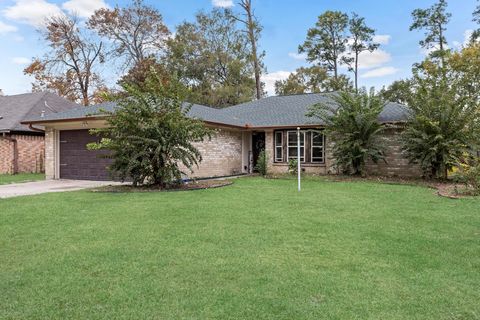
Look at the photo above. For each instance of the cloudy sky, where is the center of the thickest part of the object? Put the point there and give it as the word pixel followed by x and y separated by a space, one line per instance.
pixel 285 25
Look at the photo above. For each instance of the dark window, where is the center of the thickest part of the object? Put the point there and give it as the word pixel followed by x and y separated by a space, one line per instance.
pixel 312 146
pixel 292 145
pixel 278 146
pixel 316 145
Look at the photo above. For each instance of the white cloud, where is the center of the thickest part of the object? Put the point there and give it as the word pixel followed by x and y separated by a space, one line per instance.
pixel 379 72
pixel 467 34
pixel 33 12
pixel 222 3
pixel 368 59
pixel 297 56
pixel 382 38
pixel 20 60
pixel 6 28
pixel 270 78
pixel 83 8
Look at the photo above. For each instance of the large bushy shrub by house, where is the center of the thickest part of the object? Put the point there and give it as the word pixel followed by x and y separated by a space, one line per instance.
pixel 445 119
pixel 150 135
pixel 351 121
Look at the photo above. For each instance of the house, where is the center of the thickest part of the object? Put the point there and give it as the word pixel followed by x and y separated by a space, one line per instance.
pixel 242 131
pixel 22 146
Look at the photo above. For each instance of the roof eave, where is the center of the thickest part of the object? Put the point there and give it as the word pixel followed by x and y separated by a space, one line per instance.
pixel 102 117
pixel 213 123
pixel 96 117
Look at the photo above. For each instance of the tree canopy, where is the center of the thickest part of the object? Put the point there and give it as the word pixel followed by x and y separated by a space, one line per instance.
pixel 327 41
pixel 70 67
pixel 361 39
pixel 434 21
pixel 212 59
pixel 312 79
pixel 137 31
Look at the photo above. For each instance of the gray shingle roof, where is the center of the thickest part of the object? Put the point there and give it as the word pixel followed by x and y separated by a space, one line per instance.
pixel 273 111
pixel 17 108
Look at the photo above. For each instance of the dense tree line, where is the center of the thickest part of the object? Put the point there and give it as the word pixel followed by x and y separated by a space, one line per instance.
pixel 442 99
pixel 336 40
pixel 216 57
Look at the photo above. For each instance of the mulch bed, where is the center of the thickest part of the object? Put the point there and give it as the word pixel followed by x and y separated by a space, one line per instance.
pixel 448 189
pixel 192 185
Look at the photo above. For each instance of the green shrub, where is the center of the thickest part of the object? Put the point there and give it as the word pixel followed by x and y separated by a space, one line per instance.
pixel 150 134
pixel 469 175
pixel 262 163
pixel 293 166
pixel 444 119
pixel 352 124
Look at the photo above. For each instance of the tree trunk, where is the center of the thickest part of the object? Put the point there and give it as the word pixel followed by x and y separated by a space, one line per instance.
pixel 85 99
pixel 250 24
pixel 442 57
pixel 356 71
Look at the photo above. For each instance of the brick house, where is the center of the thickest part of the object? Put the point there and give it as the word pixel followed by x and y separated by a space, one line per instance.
pixel 242 131
pixel 22 148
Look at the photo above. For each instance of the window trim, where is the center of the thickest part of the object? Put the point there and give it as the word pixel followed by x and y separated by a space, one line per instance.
pixel 312 132
pixel 307 146
pixel 275 146
pixel 304 132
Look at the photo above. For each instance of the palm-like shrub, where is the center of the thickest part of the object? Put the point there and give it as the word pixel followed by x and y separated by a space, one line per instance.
pixel 150 135
pixel 445 117
pixel 351 121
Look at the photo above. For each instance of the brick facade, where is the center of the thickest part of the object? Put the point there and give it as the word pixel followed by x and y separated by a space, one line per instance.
pixel 29 150
pixel 397 164
pixel 50 153
pixel 227 154
pixel 6 156
pixel 222 155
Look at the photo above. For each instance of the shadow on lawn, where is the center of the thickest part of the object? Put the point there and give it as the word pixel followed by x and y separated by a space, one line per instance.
pixel 187 186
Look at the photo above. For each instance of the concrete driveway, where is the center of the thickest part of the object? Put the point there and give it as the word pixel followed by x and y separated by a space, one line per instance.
pixel 37 187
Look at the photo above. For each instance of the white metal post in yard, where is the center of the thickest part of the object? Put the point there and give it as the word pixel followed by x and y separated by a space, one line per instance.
pixel 298 157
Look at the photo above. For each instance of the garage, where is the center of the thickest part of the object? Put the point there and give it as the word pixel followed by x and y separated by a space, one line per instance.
pixel 77 162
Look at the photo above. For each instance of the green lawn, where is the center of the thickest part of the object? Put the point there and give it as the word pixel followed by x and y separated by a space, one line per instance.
pixel 257 249
pixel 20 177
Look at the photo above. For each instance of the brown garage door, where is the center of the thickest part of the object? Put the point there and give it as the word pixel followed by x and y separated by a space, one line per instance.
pixel 77 162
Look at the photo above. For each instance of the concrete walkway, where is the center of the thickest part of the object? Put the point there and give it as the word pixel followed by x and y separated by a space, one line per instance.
pixel 38 187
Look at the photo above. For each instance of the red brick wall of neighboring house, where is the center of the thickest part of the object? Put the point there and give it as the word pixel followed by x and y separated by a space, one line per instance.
pixel 6 156
pixel 30 154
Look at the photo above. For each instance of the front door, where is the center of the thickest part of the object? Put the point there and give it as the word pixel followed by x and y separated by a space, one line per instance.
pixel 258 144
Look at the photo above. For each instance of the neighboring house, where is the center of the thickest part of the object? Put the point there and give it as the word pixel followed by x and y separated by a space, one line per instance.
pixel 242 132
pixel 22 148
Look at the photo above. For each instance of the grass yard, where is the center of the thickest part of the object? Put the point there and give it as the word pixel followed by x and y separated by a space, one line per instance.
pixel 256 249
pixel 20 177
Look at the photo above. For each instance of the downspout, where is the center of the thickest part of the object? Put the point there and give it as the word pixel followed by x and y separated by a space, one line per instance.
pixel 15 151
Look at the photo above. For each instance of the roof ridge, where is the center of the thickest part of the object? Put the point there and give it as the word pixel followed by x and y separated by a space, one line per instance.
pixel 303 94
pixel 27 112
